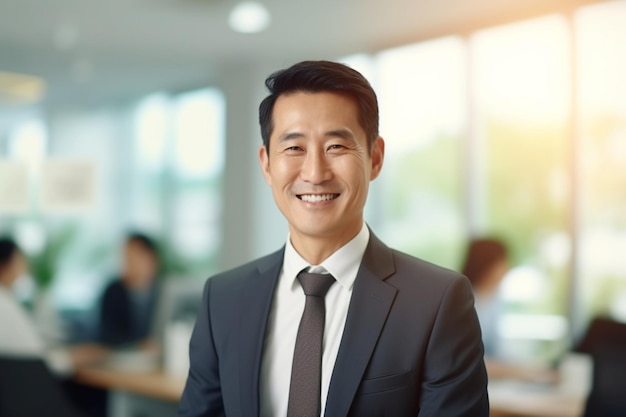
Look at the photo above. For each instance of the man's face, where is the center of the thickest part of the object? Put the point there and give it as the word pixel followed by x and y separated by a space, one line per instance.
pixel 319 166
pixel 140 266
pixel 16 267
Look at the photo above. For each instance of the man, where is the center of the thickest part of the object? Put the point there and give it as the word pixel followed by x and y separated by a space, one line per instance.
pixel 129 302
pixel 400 336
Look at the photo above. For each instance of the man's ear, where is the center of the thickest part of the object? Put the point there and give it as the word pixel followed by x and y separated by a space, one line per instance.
pixel 264 161
pixel 378 155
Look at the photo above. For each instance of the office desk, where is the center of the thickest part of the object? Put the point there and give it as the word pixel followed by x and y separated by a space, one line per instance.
pixel 154 384
pixel 515 399
pixel 135 393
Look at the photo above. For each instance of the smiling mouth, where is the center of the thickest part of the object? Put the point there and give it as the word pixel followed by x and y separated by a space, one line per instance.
pixel 317 198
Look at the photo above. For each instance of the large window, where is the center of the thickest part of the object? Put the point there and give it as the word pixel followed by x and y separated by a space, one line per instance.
pixel 516 132
pixel 521 80
pixel 422 97
pixel 179 162
pixel 601 62
pixel 157 166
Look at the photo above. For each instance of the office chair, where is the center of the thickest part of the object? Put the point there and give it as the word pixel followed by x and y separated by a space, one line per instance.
pixel 602 332
pixel 29 389
pixel 608 390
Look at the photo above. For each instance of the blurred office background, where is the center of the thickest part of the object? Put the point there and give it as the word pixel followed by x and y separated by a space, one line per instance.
pixel 504 119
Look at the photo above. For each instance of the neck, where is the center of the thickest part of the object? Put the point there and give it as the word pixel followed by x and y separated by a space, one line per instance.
pixel 316 250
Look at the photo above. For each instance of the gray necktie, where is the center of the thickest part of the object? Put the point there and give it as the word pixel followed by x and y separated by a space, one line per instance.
pixel 306 372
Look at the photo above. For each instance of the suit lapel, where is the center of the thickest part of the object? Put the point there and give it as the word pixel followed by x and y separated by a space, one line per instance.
pixel 256 300
pixel 369 306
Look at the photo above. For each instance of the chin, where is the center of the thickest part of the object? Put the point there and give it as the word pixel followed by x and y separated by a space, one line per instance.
pixel 314 231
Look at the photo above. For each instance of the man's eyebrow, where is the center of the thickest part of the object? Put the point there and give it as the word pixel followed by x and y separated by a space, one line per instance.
pixel 290 136
pixel 341 133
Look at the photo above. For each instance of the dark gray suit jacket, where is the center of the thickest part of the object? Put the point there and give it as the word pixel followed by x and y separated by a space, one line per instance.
pixel 411 344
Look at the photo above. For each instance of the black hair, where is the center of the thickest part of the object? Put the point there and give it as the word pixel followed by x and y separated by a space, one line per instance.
pixel 321 76
pixel 145 241
pixel 8 248
pixel 481 255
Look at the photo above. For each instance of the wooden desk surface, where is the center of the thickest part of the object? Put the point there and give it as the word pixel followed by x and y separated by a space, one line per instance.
pixel 154 384
pixel 518 401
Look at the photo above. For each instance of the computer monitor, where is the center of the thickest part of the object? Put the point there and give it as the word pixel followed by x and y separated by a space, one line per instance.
pixel 179 300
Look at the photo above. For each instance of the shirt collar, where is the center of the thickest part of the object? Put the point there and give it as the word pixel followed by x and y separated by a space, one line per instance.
pixel 343 264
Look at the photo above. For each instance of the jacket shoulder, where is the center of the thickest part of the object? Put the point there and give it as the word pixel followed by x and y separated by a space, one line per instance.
pixel 255 267
pixel 405 261
pixel 417 275
pixel 393 265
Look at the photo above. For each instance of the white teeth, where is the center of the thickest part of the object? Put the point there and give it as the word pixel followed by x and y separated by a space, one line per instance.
pixel 316 198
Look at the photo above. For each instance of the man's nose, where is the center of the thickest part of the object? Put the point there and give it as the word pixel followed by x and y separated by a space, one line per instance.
pixel 316 167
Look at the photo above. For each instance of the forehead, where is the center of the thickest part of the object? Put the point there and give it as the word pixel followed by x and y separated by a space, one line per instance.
pixel 133 245
pixel 302 105
pixel 18 256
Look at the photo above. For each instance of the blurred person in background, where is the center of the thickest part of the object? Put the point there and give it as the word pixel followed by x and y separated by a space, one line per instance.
pixel 128 303
pixel 486 264
pixel 18 333
pixel 603 332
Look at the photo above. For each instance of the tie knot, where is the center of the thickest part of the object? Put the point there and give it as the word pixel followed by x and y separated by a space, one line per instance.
pixel 315 285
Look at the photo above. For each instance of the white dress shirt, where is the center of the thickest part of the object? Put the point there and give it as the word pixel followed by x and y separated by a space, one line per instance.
pixel 19 337
pixel 284 319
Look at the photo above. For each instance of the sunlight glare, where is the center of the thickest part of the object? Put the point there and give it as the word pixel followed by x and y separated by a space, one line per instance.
pixel 522 70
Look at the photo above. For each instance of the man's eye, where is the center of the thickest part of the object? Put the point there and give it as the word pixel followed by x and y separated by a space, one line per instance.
pixel 335 147
pixel 293 149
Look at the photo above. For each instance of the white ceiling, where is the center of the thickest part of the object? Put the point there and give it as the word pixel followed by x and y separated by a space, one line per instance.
pixel 92 51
